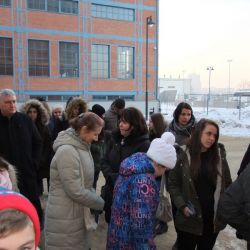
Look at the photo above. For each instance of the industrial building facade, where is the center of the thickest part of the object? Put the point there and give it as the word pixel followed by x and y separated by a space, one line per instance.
pixel 90 48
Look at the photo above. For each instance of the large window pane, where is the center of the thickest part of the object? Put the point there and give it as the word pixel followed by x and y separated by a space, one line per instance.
pixel 100 62
pixel 110 12
pixel 6 56
pixel 36 4
pixel 125 62
pixel 69 59
pixel 38 58
pixel 53 5
pixel 68 6
pixel 5 2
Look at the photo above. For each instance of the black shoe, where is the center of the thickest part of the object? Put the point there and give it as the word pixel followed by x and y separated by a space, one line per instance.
pixel 161 228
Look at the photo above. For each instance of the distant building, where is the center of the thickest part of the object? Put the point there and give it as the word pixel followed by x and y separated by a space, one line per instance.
pixel 92 48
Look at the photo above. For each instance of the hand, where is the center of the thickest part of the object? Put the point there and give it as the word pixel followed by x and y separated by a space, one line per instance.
pixel 187 212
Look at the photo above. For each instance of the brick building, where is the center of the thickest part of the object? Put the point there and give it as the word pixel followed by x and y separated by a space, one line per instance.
pixel 92 48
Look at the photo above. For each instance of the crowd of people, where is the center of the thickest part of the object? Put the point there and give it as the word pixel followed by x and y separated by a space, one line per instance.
pixel 70 146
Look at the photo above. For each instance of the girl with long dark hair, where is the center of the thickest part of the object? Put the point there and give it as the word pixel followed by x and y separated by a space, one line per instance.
pixel 200 176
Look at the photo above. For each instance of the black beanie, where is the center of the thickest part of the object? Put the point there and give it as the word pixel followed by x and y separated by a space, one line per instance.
pixel 98 110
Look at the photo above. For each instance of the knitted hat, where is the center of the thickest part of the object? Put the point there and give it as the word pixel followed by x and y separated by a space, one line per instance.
pixel 98 110
pixel 162 151
pixel 13 200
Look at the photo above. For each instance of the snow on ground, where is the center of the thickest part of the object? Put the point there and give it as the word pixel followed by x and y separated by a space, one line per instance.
pixel 228 119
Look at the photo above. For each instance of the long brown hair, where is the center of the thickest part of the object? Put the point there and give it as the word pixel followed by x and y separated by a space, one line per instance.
pixel 159 124
pixel 195 147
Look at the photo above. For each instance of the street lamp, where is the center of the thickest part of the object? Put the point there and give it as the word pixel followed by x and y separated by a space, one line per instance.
pixel 149 23
pixel 229 80
pixel 210 68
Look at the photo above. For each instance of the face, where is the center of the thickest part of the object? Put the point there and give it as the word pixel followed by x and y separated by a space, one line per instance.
pixel 150 125
pixel 159 170
pixel 57 112
pixel 89 136
pixel 75 111
pixel 8 105
pixel 22 240
pixel 125 128
pixel 118 111
pixel 208 137
pixel 32 113
pixel 184 117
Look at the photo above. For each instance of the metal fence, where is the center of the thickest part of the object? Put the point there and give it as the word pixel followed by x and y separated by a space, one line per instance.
pixel 205 101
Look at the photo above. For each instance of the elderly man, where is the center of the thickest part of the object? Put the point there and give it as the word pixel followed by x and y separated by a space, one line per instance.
pixel 20 144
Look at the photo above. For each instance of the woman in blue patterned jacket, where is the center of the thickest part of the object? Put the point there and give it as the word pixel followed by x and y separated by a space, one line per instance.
pixel 136 196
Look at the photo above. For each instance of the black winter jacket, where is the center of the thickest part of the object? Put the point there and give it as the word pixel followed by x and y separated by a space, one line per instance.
pixel 118 149
pixel 21 145
pixel 234 205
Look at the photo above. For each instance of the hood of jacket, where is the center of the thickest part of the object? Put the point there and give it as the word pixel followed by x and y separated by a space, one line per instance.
pixel 70 137
pixel 75 102
pixel 44 115
pixel 138 163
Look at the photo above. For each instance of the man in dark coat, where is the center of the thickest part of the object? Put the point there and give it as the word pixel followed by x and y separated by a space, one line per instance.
pixel 234 205
pixel 20 144
pixel 113 114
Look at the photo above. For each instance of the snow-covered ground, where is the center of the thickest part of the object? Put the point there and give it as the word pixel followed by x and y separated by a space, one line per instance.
pixel 228 119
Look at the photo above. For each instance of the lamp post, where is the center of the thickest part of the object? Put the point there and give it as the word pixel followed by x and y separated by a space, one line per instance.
pixel 210 68
pixel 229 80
pixel 149 23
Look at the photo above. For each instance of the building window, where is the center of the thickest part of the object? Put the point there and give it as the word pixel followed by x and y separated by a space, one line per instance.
pixel 5 2
pixel 99 97
pixel 53 6
pixel 125 62
pixel 69 6
pixel 38 58
pixel 6 56
pixel 69 59
pixel 100 62
pixel 111 12
pixel 128 97
pixel 36 4
pixel 59 6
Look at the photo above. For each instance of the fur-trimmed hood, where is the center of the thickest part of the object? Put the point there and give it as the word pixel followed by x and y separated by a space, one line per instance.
pixel 13 177
pixel 75 102
pixel 44 116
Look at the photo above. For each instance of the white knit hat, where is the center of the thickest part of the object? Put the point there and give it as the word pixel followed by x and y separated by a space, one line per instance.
pixel 162 151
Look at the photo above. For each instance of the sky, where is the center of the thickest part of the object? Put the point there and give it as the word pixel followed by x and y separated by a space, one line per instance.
pixel 195 34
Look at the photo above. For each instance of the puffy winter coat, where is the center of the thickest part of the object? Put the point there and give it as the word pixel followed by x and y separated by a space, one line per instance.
pixel 136 196
pixel 182 190
pixel 234 205
pixel 116 151
pixel 71 175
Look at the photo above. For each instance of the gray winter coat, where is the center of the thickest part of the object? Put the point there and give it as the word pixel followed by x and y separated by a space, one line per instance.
pixel 65 224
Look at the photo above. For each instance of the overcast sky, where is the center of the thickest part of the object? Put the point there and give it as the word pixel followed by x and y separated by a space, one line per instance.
pixel 194 34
